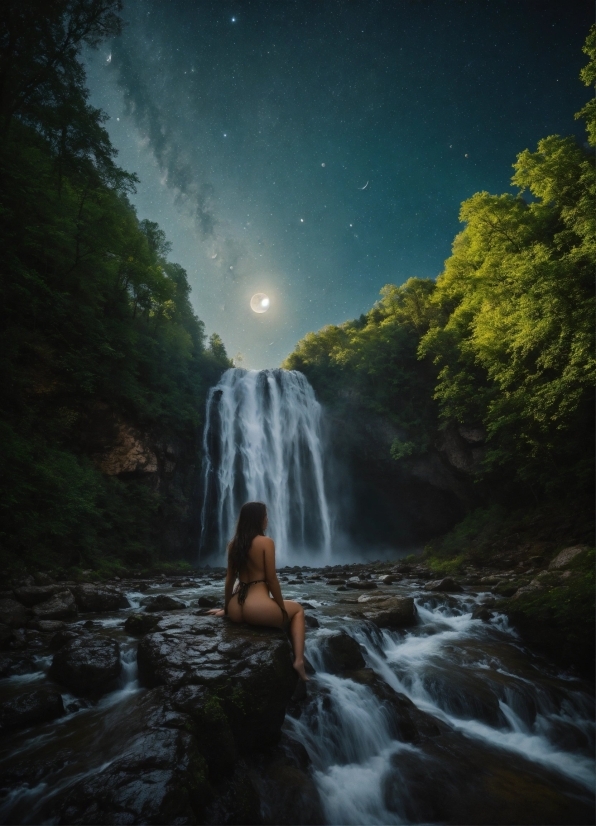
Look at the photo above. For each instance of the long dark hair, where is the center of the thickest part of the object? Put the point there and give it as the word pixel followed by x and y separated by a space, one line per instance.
pixel 251 523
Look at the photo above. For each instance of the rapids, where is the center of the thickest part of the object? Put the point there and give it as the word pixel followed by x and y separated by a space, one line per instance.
pixel 516 739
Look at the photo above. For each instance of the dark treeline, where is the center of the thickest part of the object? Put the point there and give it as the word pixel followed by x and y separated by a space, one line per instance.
pixel 100 345
pixel 500 348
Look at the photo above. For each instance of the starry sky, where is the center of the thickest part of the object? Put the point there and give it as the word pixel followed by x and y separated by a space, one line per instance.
pixel 315 150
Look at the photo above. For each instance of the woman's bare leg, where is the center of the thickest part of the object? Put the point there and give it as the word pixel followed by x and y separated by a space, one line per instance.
pixel 260 609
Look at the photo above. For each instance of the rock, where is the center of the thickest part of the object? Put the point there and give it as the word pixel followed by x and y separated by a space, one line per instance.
pixel 563 558
pixel 156 775
pixel 41 578
pixel 311 622
pixel 336 582
pixel 87 664
pixel 283 780
pixel 389 579
pixel 98 598
pixel 206 602
pixel 5 634
pixel 49 626
pixel 61 606
pixel 341 588
pixel 395 612
pixel 409 724
pixel 249 667
pixel 528 589
pixel 341 652
pixel 162 602
pixel 361 585
pixel 31 595
pixel 31 708
pixel 13 614
pixel 139 624
pixel 474 785
pixel 447 584
pixel 481 612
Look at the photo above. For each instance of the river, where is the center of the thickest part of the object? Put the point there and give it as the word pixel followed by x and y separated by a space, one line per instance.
pixel 517 736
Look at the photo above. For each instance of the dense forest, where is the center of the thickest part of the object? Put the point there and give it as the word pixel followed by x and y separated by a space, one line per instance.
pixel 490 367
pixel 104 364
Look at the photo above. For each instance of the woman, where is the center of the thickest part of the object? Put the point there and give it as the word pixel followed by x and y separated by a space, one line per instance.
pixel 251 557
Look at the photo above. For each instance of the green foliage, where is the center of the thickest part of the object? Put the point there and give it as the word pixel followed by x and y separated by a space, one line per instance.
pixel 503 342
pixel 96 323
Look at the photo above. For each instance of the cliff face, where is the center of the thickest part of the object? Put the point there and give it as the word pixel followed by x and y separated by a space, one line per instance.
pixel 167 467
pixel 403 502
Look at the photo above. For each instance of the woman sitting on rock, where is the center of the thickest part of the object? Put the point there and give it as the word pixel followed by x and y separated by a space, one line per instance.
pixel 251 558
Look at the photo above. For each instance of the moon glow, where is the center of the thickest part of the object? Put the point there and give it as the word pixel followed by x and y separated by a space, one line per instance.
pixel 260 303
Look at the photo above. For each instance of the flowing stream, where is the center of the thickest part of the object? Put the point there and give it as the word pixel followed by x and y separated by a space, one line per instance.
pixel 263 442
pixel 516 742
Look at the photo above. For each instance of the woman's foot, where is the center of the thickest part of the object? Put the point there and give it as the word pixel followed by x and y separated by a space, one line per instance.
pixel 299 666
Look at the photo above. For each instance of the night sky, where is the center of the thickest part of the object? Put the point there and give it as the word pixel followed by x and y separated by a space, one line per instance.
pixel 315 151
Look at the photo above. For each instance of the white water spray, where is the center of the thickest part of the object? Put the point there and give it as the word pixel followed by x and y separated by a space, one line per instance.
pixel 262 442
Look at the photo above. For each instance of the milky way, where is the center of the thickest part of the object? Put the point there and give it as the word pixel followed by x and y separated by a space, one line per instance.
pixel 316 151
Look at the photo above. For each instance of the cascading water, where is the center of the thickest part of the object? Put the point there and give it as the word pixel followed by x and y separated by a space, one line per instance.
pixel 263 442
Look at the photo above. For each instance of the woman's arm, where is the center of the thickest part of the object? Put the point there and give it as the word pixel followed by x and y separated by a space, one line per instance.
pixel 230 579
pixel 271 574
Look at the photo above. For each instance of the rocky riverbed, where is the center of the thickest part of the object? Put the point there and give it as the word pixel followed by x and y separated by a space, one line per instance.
pixel 124 702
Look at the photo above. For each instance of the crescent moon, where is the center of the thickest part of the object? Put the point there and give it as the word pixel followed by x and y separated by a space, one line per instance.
pixel 364 187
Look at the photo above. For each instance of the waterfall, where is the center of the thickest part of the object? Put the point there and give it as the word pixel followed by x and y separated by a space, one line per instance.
pixel 262 442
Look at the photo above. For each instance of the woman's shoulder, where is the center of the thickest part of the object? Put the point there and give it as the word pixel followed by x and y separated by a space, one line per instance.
pixel 262 542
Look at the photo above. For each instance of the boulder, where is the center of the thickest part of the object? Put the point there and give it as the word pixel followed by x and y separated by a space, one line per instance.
pixel 13 614
pixel 140 624
pixel 249 668
pixel 394 612
pixel 336 582
pixel 389 579
pixel 49 626
pixel 87 664
pixel 61 606
pixel 361 585
pixel 483 613
pixel 447 584
pixel 31 595
pixel 156 775
pixel 162 602
pixel 563 558
pixel 341 653
pixel 207 602
pixel 98 598
pixel 31 708
pixel 311 622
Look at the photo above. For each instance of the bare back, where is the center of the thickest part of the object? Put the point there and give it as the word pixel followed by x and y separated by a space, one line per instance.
pixel 257 566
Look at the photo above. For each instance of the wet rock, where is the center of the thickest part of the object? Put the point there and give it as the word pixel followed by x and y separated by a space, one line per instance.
pixel 139 624
pixel 13 614
pixel 285 786
pixel 16 663
pixel 61 606
pixel 87 665
pixel 341 653
pixel 98 598
pixel 394 612
pixel 31 708
pixel 341 588
pixel 532 588
pixel 389 579
pixel 236 799
pixel 41 578
pixel 162 602
pixel 473 785
pixel 311 622
pixel 483 613
pixel 336 582
pixel 409 724
pixel 5 634
pixel 158 775
pixel 249 667
pixel 563 558
pixel 361 585
pixel 447 584
pixel 31 595
pixel 207 602
pixel 48 626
